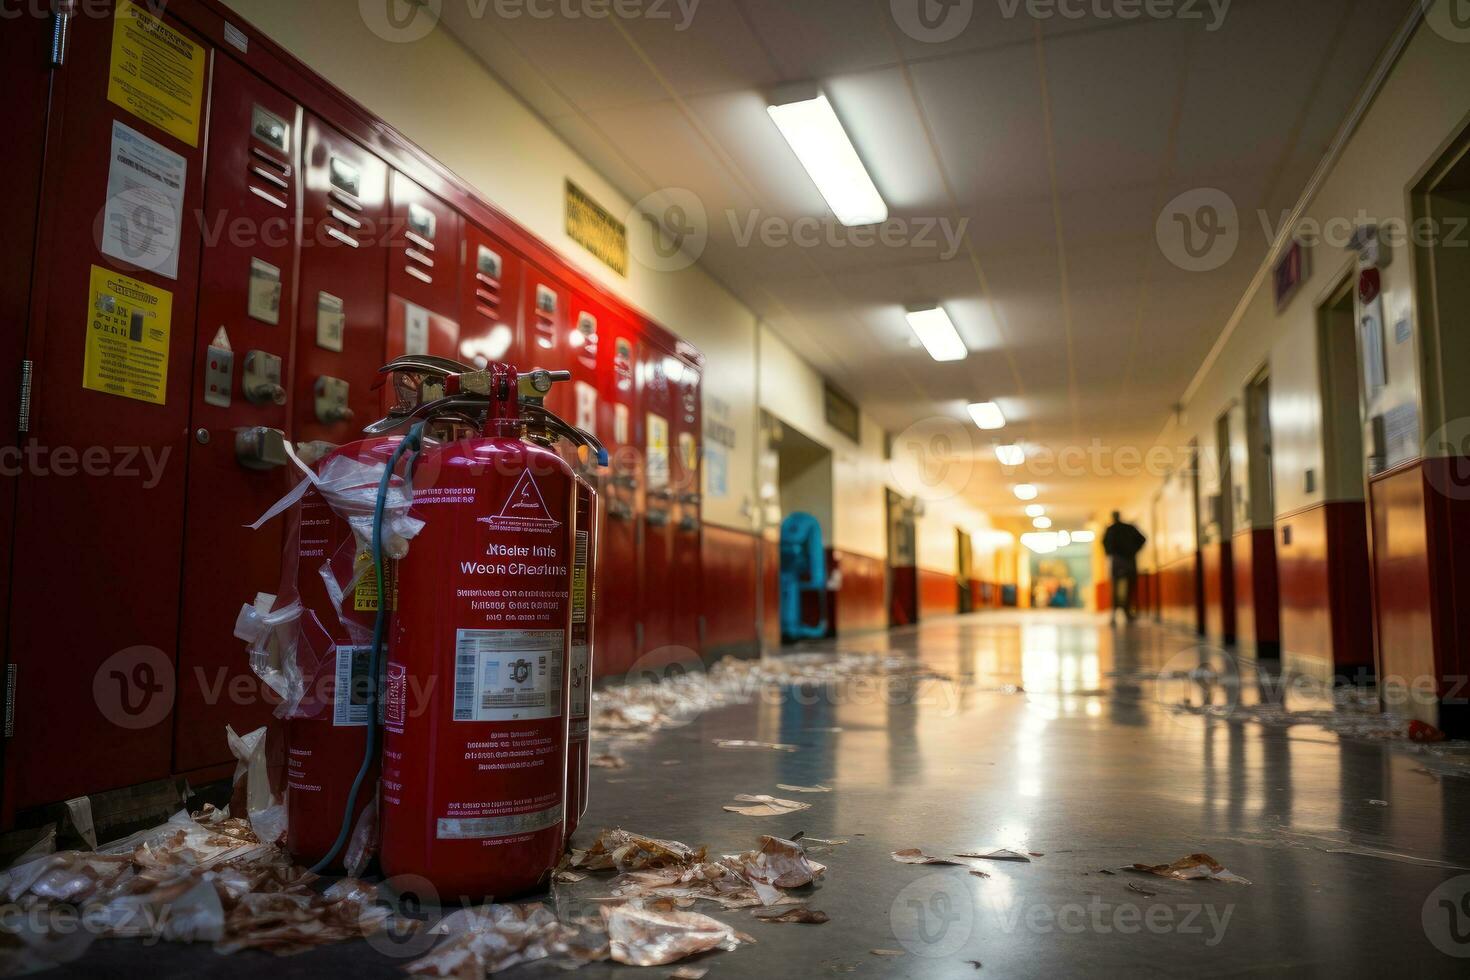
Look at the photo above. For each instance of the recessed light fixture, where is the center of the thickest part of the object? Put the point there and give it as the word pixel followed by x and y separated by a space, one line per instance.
pixel 1063 539
pixel 936 332
pixel 1042 523
pixel 988 416
pixel 1035 510
pixel 816 136
pixel 1084 537
pixel 1040 542
pixel 1025 491
pixel 1010 455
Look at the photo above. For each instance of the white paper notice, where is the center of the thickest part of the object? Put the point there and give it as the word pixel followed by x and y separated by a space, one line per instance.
pixel 415 329
pixel 145 203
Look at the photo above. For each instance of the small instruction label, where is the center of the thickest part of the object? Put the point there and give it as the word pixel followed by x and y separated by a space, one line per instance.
pixel 508 675
pixel 157 73
pixel 143 216
pixel 128 326
pixel 349 706
pixel 524 509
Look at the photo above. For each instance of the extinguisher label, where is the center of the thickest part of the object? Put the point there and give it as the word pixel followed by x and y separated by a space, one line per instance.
pixel 581 683
pixel 350 696
pixel 474 828
pixel 507 675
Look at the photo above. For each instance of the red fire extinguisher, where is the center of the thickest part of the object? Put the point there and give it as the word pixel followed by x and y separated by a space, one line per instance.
pixel 477 687
pixel 584 608
pixel 330 566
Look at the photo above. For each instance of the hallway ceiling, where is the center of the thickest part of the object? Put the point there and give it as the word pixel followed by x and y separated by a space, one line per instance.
pixel 1056 142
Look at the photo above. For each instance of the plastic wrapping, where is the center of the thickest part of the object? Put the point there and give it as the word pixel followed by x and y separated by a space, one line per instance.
pixel 266 813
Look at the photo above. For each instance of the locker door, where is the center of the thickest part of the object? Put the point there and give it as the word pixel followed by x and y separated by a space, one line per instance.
pixel 344 269
pixel 686 450
pixel 243 338
pixel 618 561
pixel 423 273
pixel 490 300
pixel 100 501
pixel 657 601
pixel 546 337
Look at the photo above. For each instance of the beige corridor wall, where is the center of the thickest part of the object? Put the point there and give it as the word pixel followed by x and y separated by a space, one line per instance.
pixel 1422 104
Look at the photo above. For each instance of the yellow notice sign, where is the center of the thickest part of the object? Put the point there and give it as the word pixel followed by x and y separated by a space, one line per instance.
pixel 593 227
pixel 127 337
pixel 157 73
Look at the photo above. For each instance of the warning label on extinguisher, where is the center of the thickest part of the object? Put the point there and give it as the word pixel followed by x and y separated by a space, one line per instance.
pixel 508 675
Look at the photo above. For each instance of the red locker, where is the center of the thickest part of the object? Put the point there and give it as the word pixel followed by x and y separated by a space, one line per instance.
pixel 490 298
pixel 243 338
pixel 99 514
pixel 342 285
pixel 688 631
pixel 655 437
pixel 546 330
pixel 423 273
pixel 618 559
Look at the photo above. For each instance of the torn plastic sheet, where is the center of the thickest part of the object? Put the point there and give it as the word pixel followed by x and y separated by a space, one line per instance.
pixel 363 844
pixel 1194 867
pixel 997 854
pixel 913 855
pixel 266 813
pixel 655 933
pixel 289 648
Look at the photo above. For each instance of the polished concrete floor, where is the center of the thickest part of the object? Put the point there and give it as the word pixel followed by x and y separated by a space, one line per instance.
pixel 1060 735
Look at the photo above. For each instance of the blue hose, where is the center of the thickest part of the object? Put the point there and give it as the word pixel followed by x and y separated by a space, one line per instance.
pixel 415 439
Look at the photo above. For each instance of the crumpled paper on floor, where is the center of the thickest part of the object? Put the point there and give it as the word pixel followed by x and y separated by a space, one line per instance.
pixel 654 933
pixel 1194 867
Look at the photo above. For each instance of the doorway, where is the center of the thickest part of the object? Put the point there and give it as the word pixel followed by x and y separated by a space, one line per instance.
pixel 903 572
pixel 1257 595
pixel 965 549
pixel 1216 545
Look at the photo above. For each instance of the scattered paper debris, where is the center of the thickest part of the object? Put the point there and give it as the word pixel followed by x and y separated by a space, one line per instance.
pixel 800 914
pixel 912 855
pixel 608 761
pixel 804 789
pixel 766 806
pixel 1195 867
pixel 886 952
pixel 689 973
pixel 979 874
pixel 1378 803
pixel 1000 854
pixel 623 851
pixel 656 933
pixel 491 938
pixel 1134 886
pixel 740 743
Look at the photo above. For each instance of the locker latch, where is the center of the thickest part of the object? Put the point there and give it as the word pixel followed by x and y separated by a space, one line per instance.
pixel 260 448
pixel 331 401
pixel 262 379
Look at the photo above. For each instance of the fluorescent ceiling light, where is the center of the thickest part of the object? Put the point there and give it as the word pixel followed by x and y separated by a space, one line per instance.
pixel 1026 491
pixel 817 138
pixel 1084 537
pixel 1063 539
pixel 1042 523
pixel 1035 510
pixel 936 332
pixel 1010 455
pixel 1041 543
pixel 988 416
